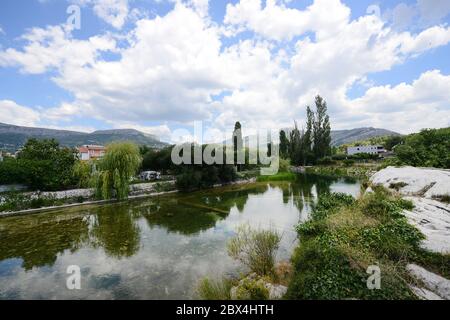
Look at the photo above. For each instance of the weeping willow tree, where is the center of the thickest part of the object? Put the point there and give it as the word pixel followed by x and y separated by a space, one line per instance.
pixel 118 166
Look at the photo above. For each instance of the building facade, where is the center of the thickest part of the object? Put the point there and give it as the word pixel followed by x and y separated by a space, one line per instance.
pixel 91 152
pixel 373 149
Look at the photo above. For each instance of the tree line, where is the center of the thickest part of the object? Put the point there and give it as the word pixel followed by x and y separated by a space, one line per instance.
pixel 307 145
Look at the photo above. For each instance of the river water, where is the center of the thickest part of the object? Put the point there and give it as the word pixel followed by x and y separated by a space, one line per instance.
pixel 156 248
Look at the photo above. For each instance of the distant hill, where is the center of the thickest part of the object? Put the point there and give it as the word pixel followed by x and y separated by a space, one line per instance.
pixel 340 137
pixel 13 137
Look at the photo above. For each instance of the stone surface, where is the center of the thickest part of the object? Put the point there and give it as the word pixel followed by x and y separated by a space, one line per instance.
pixel 432 218
pixel 433 282
pixel 426 182
pixel 276 291
pixel 425 294
pixel 422 185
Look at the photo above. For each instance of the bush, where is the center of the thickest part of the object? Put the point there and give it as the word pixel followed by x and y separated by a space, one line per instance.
pixel 339 157
pixel 344 237
pixel 44 165
pixel 326 161
pixel 214 290
pixel 255 249
pixel 251 289
pixel 348 162
pixel 429 148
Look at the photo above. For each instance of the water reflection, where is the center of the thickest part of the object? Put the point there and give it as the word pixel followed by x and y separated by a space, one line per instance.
pixel 148 249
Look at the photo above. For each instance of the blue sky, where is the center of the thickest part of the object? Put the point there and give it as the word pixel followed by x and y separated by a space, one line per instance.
pixel 158 66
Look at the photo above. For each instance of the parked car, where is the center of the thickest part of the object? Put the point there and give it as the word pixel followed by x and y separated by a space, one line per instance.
pixel 150 175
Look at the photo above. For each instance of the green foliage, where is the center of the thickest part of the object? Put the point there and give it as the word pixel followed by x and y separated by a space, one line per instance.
pixel 214 290
pixel 158 160
pixel 429 148
pixel 255 248
pixel 325 161
pixel 348 162
pixel 11 171
pixel 307 146
pixel 344 237
pixel 118 166
pixel 82 172
pixel 284 145
pixel 281 176
pixel 251 289
pixel 201 177
pixel 41 165
pixel 284 165
pixel 322 130
pixel 16 201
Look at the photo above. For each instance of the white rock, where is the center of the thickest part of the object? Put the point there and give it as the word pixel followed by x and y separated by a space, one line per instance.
pixel 437 284
pixel 427 182
pixel 425 294
pixel 432 218
pixel 276 291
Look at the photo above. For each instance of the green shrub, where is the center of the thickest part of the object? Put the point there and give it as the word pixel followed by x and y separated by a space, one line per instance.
pixel 255 248
pixel 251 289
pixel 325 161
pixel 214 290
pixel 345 236
pixel 348 162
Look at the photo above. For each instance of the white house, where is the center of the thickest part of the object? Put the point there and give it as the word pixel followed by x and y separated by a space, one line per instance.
pixel 365 149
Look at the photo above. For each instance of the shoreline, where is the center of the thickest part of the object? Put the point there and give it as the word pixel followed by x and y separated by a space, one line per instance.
pixel 99 202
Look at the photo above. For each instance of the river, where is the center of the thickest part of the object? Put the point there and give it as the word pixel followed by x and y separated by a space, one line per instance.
pixel 153 248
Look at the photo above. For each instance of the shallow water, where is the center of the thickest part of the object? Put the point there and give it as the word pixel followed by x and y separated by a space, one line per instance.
pixel 157 248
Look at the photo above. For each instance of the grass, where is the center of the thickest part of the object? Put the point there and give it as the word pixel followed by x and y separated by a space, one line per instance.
pixel 345 236
pixel 281 176
pixel 255 248
pixel 214 289
pixel 16 201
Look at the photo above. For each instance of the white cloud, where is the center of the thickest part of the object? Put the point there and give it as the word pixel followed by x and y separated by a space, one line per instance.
pixel 276 21
pixel 432 11
pixel 113 12
pixel 12 113
pixel 178 68
pixel 408 107
pixel 54 48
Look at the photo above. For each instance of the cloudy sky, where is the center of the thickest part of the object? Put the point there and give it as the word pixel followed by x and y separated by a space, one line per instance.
pixel 160 65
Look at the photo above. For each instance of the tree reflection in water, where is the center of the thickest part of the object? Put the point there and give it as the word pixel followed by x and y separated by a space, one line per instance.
pixel 115 228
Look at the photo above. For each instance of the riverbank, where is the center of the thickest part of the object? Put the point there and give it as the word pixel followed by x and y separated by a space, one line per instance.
pixel 397 227
pixel 359 171
pixel 85 197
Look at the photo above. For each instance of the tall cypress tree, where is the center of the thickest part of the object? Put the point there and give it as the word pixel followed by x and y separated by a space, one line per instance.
pixel 322 130
pixel 284 145
pixel 238 143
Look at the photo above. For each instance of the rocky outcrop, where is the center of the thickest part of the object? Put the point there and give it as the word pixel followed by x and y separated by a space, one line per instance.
pixel 432 218
pixel 439 286
pixel 253 283
pixel 424 187
pixel 411 181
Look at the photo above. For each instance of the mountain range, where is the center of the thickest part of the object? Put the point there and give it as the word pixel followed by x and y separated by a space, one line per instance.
pixel 13 137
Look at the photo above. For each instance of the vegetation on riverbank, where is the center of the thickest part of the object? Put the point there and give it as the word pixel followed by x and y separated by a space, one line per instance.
pixel 345 236
pixel 256 250
pixel 362 172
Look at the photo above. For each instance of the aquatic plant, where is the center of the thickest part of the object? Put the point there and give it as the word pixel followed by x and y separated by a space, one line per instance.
pixel 255 248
